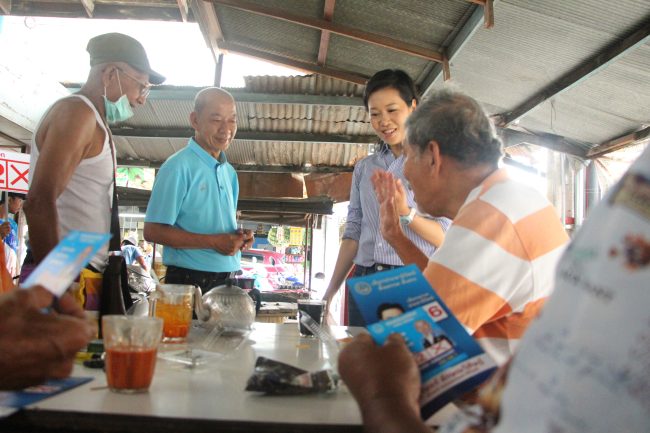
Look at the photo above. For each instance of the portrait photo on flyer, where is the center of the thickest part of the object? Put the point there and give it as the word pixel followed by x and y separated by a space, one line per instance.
pixel 401 301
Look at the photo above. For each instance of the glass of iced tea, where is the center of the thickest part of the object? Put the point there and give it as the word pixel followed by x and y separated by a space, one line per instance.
pixel 173 304
pixel 131 344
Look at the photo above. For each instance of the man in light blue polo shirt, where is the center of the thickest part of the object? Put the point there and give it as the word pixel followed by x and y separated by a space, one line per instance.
pixel 192 209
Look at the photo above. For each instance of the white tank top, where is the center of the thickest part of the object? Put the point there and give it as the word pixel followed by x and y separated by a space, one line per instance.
pixel 86 202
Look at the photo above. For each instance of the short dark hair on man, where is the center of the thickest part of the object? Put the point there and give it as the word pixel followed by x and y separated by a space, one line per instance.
pixel 12 194
pixel 388 306
pixel 458 124
pixel 395 79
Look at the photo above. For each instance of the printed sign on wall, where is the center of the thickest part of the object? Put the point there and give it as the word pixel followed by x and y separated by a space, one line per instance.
pixel 14 171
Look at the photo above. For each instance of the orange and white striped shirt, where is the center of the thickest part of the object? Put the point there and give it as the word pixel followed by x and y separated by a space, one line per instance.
pixel 496 266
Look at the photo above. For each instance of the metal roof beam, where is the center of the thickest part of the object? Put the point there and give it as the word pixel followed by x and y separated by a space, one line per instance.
pixel 301 99
pixel 471 25
pixel 328 14
pixel 488 11
pixel 321 206
pixel 171 93
pixel 305 169
pixel 249 168
pixel 159 11
pixel 508 160
pixel 511 137
pixel 15 142
pixel 89 7
pixel 619 143
pixel 296 64
pixel 208 21
pixel 5 7
pixel 184 9
pixel 610 54
pixel 155 132
pixel 321 24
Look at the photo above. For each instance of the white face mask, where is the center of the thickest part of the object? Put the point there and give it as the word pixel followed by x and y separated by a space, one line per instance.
pixel 120 110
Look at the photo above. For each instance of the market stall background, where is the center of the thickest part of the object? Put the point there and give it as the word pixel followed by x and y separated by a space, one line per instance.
pixel 571 77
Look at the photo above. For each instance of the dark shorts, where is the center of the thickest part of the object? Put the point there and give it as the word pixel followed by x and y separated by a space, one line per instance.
pixel 205 280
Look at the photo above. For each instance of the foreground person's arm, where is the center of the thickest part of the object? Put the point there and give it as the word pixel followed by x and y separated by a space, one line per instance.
pixel 385 381
pixel 344 263
pixel 36 346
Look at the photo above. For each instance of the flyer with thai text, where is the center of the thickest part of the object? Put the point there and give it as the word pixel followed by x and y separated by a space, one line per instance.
pixel 62 265
pixel 401 301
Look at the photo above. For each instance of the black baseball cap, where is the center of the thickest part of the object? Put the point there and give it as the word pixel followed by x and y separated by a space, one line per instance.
pixel 118 47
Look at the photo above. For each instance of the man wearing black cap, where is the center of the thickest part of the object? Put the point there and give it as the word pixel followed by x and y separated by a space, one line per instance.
pixel 72 160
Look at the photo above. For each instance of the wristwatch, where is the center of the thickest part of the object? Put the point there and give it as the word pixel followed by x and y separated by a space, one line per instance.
pixel 407 219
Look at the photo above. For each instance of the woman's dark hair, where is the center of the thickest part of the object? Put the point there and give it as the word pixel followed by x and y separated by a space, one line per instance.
pixel 392 78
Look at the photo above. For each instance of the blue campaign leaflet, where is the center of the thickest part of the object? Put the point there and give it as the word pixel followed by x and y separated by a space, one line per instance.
pixel 401 301
pixel 62 265
pixel 16 399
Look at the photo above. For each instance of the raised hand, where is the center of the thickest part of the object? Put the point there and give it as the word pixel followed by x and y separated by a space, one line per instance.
pixel 386 189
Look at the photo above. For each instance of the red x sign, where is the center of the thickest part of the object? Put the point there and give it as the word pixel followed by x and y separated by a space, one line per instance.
pixel 14 171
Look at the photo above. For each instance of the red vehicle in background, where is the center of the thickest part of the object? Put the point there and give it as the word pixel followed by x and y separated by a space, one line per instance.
pixel 269 269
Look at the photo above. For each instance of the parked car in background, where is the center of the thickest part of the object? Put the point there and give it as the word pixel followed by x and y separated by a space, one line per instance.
pixel 269 268
pixel 268 258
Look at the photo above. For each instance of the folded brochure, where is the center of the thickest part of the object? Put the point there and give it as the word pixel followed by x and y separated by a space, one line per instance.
pixel 62 265
pixel 11 400
pixel 401 301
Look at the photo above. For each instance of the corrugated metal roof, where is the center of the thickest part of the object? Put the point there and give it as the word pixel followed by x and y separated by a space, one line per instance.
pixel 295 154
pixel 305 118
pixel 346 120
pixel 266 153
pixel 534 43
pixel 148 149
pixel 610 104
pixel 423 22
pixel 307 85
pixel 256 31
pixel 344 53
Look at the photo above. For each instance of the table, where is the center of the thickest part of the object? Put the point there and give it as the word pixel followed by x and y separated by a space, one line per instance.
pixel 209 398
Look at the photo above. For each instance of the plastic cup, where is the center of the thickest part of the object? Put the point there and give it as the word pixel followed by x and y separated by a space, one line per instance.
pixel 131 345
pixel 173 304
pixel 314 308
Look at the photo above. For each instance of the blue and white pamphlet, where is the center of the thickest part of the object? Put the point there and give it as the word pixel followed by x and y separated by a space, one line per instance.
pixel 401 301
pixel 10 401
pixel 62 265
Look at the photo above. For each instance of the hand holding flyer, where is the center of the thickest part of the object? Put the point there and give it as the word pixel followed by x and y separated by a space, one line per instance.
pixel 401 301
pixel 63 264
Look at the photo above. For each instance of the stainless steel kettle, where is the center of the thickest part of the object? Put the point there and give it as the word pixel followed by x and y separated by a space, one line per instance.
pixel 227 306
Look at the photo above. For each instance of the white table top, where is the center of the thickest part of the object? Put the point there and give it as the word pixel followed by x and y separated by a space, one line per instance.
pixel 215 391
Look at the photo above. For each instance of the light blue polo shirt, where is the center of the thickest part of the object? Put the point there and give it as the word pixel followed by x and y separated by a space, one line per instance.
pixel 196 193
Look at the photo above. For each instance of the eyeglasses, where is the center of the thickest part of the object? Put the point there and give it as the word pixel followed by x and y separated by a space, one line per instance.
pixel 145 88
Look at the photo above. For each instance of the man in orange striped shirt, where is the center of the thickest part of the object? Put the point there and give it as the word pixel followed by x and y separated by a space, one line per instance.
pixel 496 266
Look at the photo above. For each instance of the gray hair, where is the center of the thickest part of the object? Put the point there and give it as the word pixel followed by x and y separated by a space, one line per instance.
pixel 458 124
